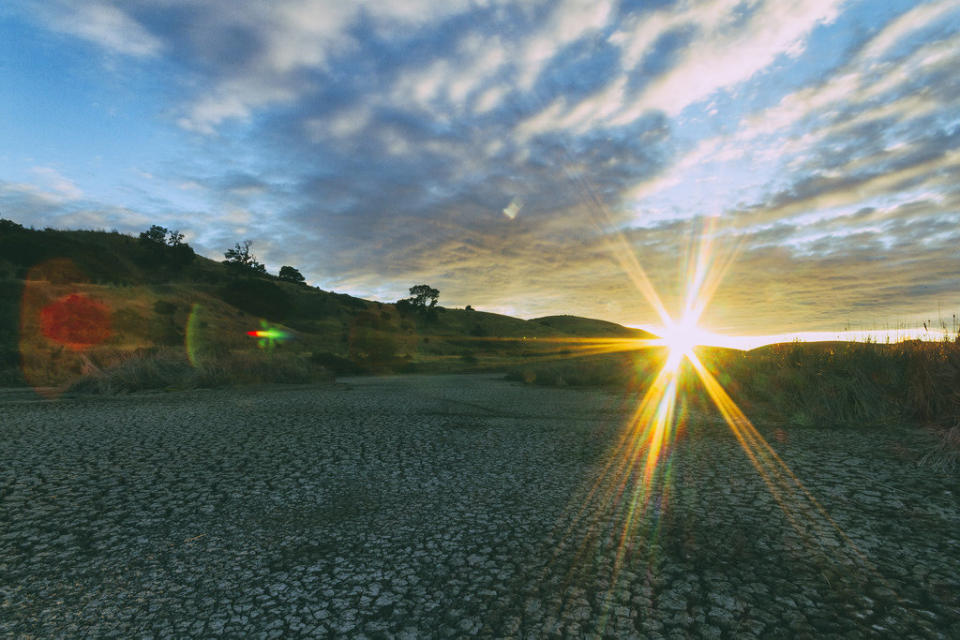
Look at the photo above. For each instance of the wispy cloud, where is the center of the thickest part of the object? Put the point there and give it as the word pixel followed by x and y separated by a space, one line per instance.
pixel 102 24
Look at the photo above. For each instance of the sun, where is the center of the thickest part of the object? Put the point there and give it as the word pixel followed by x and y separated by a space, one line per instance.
pixel 680 339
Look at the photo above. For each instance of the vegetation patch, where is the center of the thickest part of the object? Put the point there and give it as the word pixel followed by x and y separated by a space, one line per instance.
pixel 170 369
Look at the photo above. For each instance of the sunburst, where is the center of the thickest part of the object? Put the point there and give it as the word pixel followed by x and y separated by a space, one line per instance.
pixel 636 477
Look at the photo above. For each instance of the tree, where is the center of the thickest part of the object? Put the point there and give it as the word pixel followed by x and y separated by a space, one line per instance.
pixel 289 274
pixel 175 238
pixel 163 246
pixel 156 235
pixel 241 259
pixel 423 300
pixel 421 293
pixel 9 226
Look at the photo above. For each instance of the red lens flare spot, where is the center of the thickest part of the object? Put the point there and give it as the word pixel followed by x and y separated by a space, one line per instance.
pixel 75 321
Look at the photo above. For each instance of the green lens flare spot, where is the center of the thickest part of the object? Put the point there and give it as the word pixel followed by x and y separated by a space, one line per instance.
pixel 267 336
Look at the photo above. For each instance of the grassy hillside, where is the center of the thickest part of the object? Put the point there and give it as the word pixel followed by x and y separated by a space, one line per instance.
pixel 81 303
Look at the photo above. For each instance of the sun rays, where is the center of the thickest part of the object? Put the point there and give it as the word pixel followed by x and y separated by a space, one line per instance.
pixel 637 476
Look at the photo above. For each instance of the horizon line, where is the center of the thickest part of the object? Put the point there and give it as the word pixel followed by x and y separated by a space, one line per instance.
pixel 746 343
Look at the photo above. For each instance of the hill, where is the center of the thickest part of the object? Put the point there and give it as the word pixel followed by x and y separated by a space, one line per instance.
pixel 588 328
pixel 76 302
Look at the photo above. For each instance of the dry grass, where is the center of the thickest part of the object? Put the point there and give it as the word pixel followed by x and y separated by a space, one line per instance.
pixel 170 369
pixel 812 385
pixel 853 383
pixel 945 455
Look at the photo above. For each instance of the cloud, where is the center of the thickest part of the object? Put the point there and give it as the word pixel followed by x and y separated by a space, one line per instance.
pixel 726 57
pixel 281 48
pixel 726 50
pixel 102 24
pixel 905 25
pixel 63 188
pixel 491 148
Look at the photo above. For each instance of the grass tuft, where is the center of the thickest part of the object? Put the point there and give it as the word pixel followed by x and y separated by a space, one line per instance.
pixel 945 455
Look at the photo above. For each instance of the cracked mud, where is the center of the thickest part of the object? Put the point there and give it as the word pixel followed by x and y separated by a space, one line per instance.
pixel 449 506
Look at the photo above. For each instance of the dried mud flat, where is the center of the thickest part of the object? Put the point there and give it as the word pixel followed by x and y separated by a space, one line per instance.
pixel 450 506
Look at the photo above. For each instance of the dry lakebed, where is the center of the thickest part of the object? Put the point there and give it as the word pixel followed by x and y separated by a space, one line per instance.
pixel 454 506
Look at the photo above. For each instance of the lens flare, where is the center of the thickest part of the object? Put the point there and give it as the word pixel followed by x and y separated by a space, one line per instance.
pixel 268 336
pixel 76 321
pixel 193 341
pixel 64 320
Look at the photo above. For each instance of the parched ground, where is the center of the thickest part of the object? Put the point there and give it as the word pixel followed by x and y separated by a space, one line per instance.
pixel 453 506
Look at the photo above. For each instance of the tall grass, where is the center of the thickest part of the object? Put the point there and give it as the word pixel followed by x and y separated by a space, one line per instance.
pixel 802 384
pixel 851 383
pixel 170 369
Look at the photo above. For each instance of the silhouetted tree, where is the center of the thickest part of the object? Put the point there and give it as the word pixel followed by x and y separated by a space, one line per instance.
pixel 421 294
pixel 163 246
pixel 241 259
pixel 156 235
pixel 289 274
pixel 9 225
pixel 423 300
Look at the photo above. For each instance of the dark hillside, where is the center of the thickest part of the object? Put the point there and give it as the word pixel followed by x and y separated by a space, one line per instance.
pixel 113 297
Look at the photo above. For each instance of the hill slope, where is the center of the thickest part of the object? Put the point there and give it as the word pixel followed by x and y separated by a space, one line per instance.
pixel 72 301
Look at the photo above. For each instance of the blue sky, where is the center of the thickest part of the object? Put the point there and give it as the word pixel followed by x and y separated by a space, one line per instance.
pixel 510 154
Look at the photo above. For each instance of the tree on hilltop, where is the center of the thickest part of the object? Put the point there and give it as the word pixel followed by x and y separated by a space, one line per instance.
pixel 421 294
pixel 289 274
pixel 10 225
pixel 162 245
pixel 241 259
pixel 423 298
pixel 156 235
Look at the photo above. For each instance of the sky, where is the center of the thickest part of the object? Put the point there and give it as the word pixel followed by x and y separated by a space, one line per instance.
pixel 521 157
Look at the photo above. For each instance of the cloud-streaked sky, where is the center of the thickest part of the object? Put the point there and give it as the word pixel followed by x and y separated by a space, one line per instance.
pixel 498 150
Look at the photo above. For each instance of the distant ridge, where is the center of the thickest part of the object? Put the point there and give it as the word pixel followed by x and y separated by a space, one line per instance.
pixel 589 327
